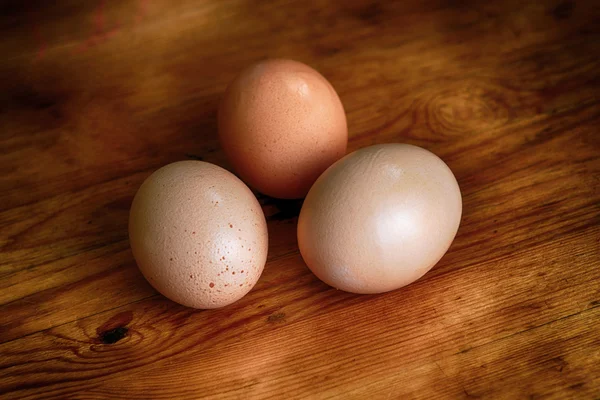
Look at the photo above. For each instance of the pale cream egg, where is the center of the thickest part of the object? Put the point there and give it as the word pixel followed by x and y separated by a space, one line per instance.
pixel 379 218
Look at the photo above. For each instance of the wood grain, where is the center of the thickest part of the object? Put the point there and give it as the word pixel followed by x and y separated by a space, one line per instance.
pixel 94 96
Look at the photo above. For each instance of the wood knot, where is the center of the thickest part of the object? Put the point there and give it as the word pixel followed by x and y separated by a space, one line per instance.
pixel 115 328
pixel 114 335
pixel 464 107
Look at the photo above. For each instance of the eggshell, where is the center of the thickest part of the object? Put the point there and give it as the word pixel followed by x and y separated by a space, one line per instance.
pixel 198 234
pixel 379 218
pixel 281 124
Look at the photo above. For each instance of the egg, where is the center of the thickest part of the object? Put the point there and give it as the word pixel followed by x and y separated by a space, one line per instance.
pixel 281 124
pixel 198 234
pixel 379 218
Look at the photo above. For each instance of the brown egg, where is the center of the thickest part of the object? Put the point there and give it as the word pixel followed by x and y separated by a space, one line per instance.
pixel 198 234
pixel 281 124
pixel 379 218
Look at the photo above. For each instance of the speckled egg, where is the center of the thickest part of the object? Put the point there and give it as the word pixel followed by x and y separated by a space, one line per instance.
pixel 198 234
pixel 281 124
pixel 379 218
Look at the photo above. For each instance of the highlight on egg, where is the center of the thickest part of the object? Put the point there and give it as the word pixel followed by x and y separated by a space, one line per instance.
pixel 379 218
pixel 281 124
pixel 198 234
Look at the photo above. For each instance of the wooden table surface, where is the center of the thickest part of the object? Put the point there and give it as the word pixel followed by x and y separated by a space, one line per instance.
pixel 95 95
